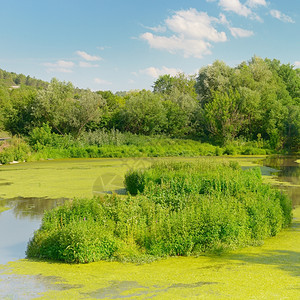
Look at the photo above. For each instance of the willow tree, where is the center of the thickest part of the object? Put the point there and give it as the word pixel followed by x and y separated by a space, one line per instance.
pixel 66 110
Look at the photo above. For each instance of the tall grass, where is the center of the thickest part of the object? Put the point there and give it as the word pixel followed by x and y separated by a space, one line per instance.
pixel 42 143
pixel 179 209
pixel 14 150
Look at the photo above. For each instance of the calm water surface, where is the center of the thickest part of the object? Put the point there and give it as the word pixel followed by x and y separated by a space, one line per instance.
pixel 288 173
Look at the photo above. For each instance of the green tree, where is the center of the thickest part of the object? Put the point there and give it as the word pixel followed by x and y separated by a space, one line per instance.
pixel 179 100
pixel 222 116
pixel 17 110
pixel 143 113
pixel 67 111
pixel 166 84
pixel 217 77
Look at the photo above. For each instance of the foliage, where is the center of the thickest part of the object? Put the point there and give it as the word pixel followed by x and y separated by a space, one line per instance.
pixel 65 110
pixel 13 79
pixel 17 106
pixel 143 114
pixel 183 209
pixel 261 96
pixel 135 182
pixel 43 143
pixel 257 98
pixel 14 150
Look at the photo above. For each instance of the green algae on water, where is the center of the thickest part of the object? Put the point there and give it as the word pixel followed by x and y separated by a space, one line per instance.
pixel 3 209
pixel 270 271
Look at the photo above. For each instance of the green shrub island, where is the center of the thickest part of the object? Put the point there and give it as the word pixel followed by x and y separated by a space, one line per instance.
pixel 171 209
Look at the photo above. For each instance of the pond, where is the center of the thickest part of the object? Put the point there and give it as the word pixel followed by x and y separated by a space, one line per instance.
pixel 287 171
pixel 30 189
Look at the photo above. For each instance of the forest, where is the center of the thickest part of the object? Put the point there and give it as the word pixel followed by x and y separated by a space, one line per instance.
pixel 253 108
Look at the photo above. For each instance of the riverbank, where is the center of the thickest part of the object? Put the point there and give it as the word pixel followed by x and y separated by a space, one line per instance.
pixel 43 145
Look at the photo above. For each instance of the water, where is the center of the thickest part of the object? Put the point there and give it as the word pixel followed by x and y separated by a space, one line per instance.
pixel 18 224
pixel 287 175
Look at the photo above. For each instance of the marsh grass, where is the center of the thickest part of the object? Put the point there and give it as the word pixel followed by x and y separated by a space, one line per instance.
pixel 15 149
pixel 42 143
pixel 179 209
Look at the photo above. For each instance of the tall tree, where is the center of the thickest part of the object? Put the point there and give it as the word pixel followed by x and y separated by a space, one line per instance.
pixel 65 110
pixel 217 77
pixel 143 113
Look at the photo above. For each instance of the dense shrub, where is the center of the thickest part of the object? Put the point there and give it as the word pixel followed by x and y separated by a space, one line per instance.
pixel 16 150
pixel 113 143
pixel 135 182
pixel 180 209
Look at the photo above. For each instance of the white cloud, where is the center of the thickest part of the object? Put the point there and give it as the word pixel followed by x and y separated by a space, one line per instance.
pixel 61 66
pixel 87 56
pixel 297 64
pixel 194 24
pixel 156 72
pixel 102 81
pixel 239 32
pixel 223 20
pixel 60 70
pixel 192 33
pixel 173 44
pixel 84 64
pixel 281 16
pixel 242 9
pixel 235 6
pixel 255 3
pixel 158 28
pixel 235 31
pixel 103 47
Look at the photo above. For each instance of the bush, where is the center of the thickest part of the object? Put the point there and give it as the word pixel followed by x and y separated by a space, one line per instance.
pixel 16 150
pixel 135 182
pixel 180 209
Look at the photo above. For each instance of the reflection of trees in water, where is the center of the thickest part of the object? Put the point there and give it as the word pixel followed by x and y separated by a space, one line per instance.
pixel 289 172
pixel 287 166
pixel 294 193
pixel 32 207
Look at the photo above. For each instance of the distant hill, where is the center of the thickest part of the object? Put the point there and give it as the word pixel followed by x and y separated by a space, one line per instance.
pixel 12 79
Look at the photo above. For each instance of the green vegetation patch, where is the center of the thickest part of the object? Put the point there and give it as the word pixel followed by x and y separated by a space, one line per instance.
pixel 43 143
pixel 180 209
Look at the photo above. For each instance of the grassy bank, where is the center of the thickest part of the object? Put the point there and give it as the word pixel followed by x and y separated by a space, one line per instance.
pixel 44 144
pixel 180 209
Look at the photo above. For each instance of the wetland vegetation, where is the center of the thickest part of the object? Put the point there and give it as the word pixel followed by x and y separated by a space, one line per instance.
pixel 180 209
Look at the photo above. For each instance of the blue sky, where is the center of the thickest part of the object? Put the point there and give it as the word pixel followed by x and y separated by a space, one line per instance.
pixel 126 44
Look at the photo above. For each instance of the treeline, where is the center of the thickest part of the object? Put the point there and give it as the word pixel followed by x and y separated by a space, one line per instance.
pixel 12 79
pixel 258 100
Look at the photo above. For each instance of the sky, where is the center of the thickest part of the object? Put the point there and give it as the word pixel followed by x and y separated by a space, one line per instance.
pixel 122 45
